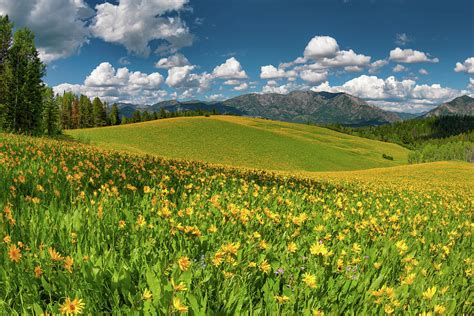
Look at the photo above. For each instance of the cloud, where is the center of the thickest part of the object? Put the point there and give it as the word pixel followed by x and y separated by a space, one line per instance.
pixel 313 76
pixel 423 71
pixel 402 39
pixel 347 58
pixel 176 60
pixel 297 61
pixel 393 94
pixel 231 69
pixel 467 66
pixel 183 79
pixel 135 23
pixel 273 87
pixel 124 61
pixel 271 72
pixel 377 65
pixel 232 82
pixel 242 86
pixel 320 47
pixel 59 25
pixel 471 84
pixel 410 56
pixel 399 68
pixel 118 85
pixel 215 97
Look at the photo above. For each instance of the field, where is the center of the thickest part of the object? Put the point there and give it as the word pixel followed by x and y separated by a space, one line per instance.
pixel 103 231
pixel 247 142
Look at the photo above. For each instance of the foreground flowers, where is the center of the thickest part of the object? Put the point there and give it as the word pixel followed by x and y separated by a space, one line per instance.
pixel 137 235
pixel 72 307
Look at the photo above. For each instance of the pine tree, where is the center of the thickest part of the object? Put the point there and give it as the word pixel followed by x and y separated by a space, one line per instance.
pixel 5 43
pixel 50 113
pixel 162 113
pixel 75 114
pixel 136 116
pixel 65 102
pixel 114 116
pixel 99 114
pixel 85 112
pixel 23 72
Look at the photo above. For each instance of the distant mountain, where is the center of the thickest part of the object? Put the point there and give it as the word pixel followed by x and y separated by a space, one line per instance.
pixel 195 105
pixel 297 106
pixel 127 109
pixel 460 106
pixel 314 107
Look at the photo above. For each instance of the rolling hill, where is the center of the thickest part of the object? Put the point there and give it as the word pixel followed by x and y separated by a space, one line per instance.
pixel 247 142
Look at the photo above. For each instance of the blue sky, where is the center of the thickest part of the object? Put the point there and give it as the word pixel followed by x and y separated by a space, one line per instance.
pixel 218 48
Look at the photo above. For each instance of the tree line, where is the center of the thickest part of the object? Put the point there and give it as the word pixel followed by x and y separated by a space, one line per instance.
pixel 430 139
pixel 28 106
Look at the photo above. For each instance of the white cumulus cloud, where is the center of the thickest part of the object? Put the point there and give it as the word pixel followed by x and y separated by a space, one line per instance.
pixel 59 25
pixel 135 23
pixel 399 68
pixel 231 69
pixel 410 56
pixel 467 66
pixel 320 47
pixel 176 60
pixel 393 94
pixel 115 85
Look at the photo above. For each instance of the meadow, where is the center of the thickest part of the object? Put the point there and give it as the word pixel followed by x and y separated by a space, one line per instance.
pixel 86 230
pixel 247 142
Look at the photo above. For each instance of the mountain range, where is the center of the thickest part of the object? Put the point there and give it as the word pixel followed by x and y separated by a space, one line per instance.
pixel 305 106
pixel 460 106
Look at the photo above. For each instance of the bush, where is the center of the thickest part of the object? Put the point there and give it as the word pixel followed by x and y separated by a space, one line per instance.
pixel 387 157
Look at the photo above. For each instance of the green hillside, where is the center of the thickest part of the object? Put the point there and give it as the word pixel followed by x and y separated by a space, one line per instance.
pixel 247 142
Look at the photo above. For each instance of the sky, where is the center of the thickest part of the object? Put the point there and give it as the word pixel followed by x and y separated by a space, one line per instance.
pixel 402 55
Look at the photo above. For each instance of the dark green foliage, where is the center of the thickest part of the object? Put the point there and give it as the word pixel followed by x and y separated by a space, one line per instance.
pixel 413 133
pixel 65 101
pixel 387 157
pixel 146 116
pixel 456 150
pixel 23 86
pixel 86 118
pixel 114 116
pixel 5 42
pixel 99 114
pixel 136 117
pixel 51 124
pixel 432 138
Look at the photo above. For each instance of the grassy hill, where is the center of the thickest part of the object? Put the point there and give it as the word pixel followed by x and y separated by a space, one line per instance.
pixel 247 142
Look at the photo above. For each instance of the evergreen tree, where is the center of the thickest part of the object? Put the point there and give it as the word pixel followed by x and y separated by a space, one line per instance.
pixel 98 112
pixel 114 116
pixel 75 114
pixel 162 113
pixel 146 116
pixel 23 95
pixel 50 113
pixel 85 112
pixel 65 102
pixel 136 116
pixel 5 43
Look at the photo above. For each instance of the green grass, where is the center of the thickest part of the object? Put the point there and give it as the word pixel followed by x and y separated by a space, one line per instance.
pixel 247 142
